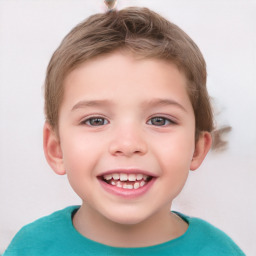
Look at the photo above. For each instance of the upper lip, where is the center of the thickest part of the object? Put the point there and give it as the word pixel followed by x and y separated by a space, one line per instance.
pixel 127 171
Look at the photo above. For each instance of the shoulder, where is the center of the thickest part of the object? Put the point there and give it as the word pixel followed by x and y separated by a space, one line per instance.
pixel 41 232
pixel 211 240
pixel 53 222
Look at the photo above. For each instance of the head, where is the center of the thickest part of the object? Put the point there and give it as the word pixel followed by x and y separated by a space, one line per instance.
pixel 125 94
pixel 141 32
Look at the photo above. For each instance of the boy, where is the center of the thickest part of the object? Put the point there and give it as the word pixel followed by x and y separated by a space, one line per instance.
pixel 127 116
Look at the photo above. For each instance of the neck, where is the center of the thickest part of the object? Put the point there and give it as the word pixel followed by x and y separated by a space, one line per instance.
pixel 160 228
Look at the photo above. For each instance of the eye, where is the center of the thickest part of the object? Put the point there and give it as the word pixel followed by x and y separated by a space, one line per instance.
pixel 95 121
pixel 160 121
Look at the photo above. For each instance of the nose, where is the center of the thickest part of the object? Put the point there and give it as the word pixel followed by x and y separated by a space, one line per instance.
pixel 128 142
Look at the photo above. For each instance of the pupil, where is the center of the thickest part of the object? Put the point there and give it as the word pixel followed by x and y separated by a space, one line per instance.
pixel 97 121
pixel 158 121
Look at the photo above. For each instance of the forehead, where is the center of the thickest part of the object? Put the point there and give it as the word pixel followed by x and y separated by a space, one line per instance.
pixel 122 74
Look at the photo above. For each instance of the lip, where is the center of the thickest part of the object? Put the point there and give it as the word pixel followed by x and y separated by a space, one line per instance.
pixel 128 171
pixel 127 193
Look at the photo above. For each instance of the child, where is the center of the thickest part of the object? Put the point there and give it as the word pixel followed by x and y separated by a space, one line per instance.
pixel 127 116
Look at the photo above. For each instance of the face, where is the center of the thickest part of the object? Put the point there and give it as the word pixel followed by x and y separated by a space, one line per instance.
pixel 127 136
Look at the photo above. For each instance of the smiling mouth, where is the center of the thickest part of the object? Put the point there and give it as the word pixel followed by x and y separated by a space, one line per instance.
pixel 126 181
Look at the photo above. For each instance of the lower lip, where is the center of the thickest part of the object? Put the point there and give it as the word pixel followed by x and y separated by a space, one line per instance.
pixel 127 193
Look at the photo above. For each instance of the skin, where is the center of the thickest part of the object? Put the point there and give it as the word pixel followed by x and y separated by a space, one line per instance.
pixel 126 95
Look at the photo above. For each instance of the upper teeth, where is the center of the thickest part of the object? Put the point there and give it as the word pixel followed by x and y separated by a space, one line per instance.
pixel 125 176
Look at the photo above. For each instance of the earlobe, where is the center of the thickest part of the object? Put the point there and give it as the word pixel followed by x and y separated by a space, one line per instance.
pixel 52 149
pixel 202 147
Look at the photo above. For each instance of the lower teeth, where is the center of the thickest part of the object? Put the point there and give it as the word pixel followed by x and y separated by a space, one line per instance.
pixel 124 185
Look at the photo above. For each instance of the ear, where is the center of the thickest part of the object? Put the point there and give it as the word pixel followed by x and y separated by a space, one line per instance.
pixel 202 147
pixel 52 149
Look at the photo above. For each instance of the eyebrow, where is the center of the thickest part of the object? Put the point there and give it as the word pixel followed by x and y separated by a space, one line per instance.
pixel 90 103
pixel 103 103
pixel 165 102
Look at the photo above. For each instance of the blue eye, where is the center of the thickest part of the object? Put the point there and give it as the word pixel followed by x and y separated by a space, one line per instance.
pixel 95 121
pixel 160 121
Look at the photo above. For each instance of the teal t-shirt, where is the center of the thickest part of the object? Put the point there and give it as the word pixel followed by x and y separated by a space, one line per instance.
pixel 55 235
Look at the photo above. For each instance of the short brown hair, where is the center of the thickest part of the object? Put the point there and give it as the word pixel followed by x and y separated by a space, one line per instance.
pixel 144 33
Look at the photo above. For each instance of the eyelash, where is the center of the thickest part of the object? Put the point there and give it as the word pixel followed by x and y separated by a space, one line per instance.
pixel 89 121
pixel 166 121
pixel 103 121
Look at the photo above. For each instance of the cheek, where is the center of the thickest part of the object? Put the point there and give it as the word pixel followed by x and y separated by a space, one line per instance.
pixel 81 157
pixel 174 158
pixel 177 147
pixel 80 152
pixel 175 166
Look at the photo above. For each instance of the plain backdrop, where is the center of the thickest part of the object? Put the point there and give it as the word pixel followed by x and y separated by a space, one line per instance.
pixel 222 191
